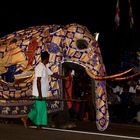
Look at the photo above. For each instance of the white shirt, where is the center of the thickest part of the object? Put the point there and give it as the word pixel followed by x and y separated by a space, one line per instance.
pixel 118 89
pixel 139 81
pixel 132 89
pixel 138 87
pixel 41 71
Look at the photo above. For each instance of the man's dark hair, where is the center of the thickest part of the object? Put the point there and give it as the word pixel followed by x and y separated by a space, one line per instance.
pixel 44 55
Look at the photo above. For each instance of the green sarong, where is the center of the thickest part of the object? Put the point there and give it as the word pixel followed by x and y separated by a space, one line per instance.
pixel 38 114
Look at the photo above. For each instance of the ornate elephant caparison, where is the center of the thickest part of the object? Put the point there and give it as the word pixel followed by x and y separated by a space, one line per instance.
pixel 20 53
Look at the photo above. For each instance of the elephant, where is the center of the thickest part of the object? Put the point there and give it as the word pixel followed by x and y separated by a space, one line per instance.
pixel 20 53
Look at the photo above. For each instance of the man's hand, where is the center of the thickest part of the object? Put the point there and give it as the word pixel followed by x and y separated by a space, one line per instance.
pixel 66 78
pixel 60 77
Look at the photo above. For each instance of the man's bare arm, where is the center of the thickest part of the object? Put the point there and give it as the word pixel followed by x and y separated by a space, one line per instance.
pixel 39 87
pixel 55 75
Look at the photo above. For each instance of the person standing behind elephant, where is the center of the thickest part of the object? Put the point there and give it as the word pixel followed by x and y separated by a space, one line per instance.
pixel 38 114
pixel 68 89
pixel 126 102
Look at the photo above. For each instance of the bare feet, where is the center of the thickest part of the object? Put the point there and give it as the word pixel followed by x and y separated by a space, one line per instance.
pixel 24 120
pixel 39 127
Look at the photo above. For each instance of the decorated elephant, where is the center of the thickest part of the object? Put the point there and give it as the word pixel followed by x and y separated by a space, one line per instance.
pixel 20 53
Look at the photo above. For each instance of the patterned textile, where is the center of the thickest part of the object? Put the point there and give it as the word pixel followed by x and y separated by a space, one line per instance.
pixel 64 46
pixel 9 75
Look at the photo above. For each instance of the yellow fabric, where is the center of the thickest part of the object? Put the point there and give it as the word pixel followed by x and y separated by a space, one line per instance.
pixel 3 70
pixel 12 57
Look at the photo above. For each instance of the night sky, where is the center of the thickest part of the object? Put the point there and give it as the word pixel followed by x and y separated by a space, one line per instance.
pixel 97 16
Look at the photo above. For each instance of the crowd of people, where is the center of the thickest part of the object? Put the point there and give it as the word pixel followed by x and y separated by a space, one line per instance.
pixel 124 99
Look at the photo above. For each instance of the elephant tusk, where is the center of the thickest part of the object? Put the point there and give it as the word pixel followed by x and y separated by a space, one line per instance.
pixel 126 77
pixel 99 77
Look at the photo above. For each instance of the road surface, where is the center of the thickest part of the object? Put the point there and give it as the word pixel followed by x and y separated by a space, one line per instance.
pixel 83 131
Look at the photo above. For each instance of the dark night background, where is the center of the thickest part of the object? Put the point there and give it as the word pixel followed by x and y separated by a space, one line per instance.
pixel 97 15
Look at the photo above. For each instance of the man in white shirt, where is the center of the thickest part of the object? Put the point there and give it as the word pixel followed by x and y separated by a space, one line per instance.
pixel 38 114
pixel 42 74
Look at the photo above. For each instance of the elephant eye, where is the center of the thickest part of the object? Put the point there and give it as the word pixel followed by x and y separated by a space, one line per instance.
pixel 81 44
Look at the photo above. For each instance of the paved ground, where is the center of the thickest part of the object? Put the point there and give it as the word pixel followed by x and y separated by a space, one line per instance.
pixel 83 131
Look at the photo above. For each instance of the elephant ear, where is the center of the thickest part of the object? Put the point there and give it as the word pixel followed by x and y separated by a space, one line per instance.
pixel 53 48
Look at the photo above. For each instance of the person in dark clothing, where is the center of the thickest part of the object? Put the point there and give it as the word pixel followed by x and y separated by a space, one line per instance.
pixel 126 101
